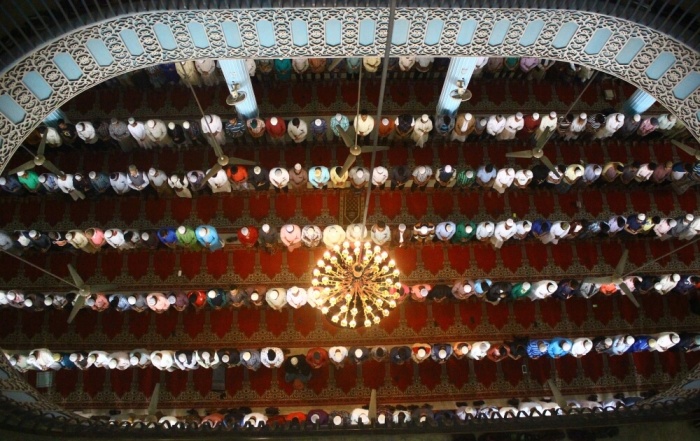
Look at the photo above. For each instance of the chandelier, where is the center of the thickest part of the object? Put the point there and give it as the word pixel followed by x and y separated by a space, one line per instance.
pixel 356 284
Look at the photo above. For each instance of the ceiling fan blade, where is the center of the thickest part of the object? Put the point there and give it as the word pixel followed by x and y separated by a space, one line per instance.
pixel 155 396
pixel 42 144
pixel 348 163
pixel 239 161
pixel 620 268
pixel 24 167
pixel 214 170
pixel 102 288
pixel 545 160
pixel 215 145
pixel 520 154
pixel 373 405
pixel 625 289
pixel 542 140
pixel 79 283
pixel 77 306
pixel 347 135
pixel 686 148
pixel 48 165
pixel 599 280
pixel 379 148
pixel 556 393
pixel 334 64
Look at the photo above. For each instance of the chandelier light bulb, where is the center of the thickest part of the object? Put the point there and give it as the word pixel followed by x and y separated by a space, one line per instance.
pixel 344 323
pixel 353 323
pixel 368 323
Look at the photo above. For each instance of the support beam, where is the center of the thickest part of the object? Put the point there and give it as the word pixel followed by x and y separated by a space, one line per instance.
pixel 638 103
pixel 236 71
pixel 461 68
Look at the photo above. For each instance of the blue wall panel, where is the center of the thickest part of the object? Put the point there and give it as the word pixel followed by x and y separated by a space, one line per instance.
pixel 37 85
pixel 99 51
pixel 165 36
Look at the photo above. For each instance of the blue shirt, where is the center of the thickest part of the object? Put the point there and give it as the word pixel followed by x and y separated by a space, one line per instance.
pixel 167 236
pixel 555 349
pixel 533 350
pixel 319 130
pixel 208 239
pixel 12 185
pixel 540 226
pixel 481 286
pixel 641 343
pixel 101 182
pixel 322 180
pixel 344 123
pixel 485 176
pixel 633 223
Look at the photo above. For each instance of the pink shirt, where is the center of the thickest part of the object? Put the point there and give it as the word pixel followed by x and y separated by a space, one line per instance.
pixel 292 240
pixel 98 237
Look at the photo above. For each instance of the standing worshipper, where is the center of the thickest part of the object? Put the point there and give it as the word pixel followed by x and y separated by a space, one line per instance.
pixel 647 126
pixel 404 125
pixel 319 176
pixel 421 129
pixel 207 70
pixel 290 235
pixel 86 132
pixel 445 125
pixel 256 128
pixel 157 133
pixel 235 128
pixel 463 127
pixel 495 125
pixel 138 131
pixel 363 126
pixel 187 238
pixel 137 179
pixel 158 180
pixel 386 128
pixel 30 180
pixel 514 123
pixel 339 122
pixel 208 237
pixel 630 125
pixel 119 131
pixel 548 122
pixel 276 128
pixel 578 125
pixel 613 123
pixel 297 130
pixel 188 73
pixel 179 185
pixel 212 125
pixel 283 69
pixel 298 177
pixel 66 184
pixel 219 182
pixel 11 185
pixel 67 132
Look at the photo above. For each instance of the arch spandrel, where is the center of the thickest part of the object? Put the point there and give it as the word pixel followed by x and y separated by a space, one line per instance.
pixel 75 44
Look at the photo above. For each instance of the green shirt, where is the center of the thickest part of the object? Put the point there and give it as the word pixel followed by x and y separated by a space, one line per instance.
pixel 463 180
pixel 461 234
pixel 188 239
pixel 518 292
pixel 30 180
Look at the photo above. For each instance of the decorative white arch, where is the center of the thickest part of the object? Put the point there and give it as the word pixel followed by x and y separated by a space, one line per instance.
pixel 44 80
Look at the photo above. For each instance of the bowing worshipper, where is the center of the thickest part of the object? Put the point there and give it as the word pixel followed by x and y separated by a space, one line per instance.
pixel 363 126
pixel 464 232
pixel 276 298
pixel 137 179
pixel 298 177
pixel 268 238
pixel 271 357
pixel 463 127
pixel 665 341
pixel 537 348
pixel 401 415
pixel 248 236
pixel 558 230
pixel 444 231
pixel 380 233
pixel 119 302
pixel 167 237
pixel 338 178
pixel 217 298
pixel 359 416
pixel 86 132
pixel 333 235
pixel 445 176
pixel 498 353
pixel 317 357
pixel 319 176
pixel 259 179
pixel 440 353
pixel 522 229
pixel 279 177
pixel 463 289
pixel 208 237
pixel 423 232
pixel 137 129
pixel 119 361
pixel 611 171
pixel 359 354
pixel 137 302
pixel 151 240
pixel 96 237
pixel 276 128
pixel 219 182
pixel 163 360
pixel 80 241
pixel 359 177
pixel 254 419
pixel 297 371
pixel 179 185
pixel 615 225
pixel 379 353
pixel 356 233
pixel 67 186
pixel 558 347
pixel 140 358
pixel 479 350
pixel 296 297
pixel 229 357
pixel 419 293
pixel 115 238
pixel 311 236
pixel 250 358
pixel 256 129
pixel 40 241
pixel 81 183
pixel 371 64
pixel 297 130
pixel 255 295
pixel 207 358
pixel 196 180
pixel 647 126
pixel 542 289
pixel 406 63
pixel 503 231
pixel 484 231
pixel 290 236
pixel 497 292
pixel 43 360
pixel 187 238
pixel 401 236
pixel 421 130
pixel 688 343
pixel 10 184
pixel 400 354
pixel 513 124
pixel 567 289
pixel 337 355
pixel 643 343
pixel 581 346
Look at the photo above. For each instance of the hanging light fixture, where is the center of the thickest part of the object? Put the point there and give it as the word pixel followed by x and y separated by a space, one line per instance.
pixel 357 284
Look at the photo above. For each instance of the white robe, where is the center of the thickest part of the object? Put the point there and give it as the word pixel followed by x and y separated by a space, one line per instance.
pixel 511 128
pixel 420 132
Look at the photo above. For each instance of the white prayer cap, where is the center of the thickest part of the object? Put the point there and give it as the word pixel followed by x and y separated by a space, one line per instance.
pixel 337 355
pixel 11 295
pixel 42 179
pixel 131 120
pixel 467 288
pixel 171 125
pixel 257 169
pixel 294 361
pixel 424 292
pixel 636 118
pixel 133 360
pixel 448 168
pixel 424 229
pixel 583 116
pixel 421 169
pixel 689 217
pixel 28 303
pixel 470 174
pixel 578 171
pixel 619 117
pixel 358 353
pixel 192 177
pixel 294 290
pixel 337 420
pixel 21 173
pixel 652 343
pixel 274 294
pixel 151 301
pixel 92 175
pixel 360 173
pixel 566 346
pixel 90 302
pixel 266 228
pixel 442 353
pixel 297 167
pixel 273 120
pixel 551 287
pixel 608 341
pixel 109 234
pixel 597 170
pixel 552 115
pixel 468 229
pixel 151 123
pixel 181 229
pixel 132 300
pixel 526 286
pixel 211 294
pixel 424 117
pixel 484 346
pixel 69 236
pixel 112 363
pixel 588 344
pixel 464 349
pixel 289 228
pixel 246 356
pixel 519 115
pixel 3 181
pixel 186 124
pixel 318 121
pixel 542 346
pixel 421 353
pixel 244 231
pixel 641 217
pixel 510 223
pixel 145 236
pixel 629 340
pixel 676 277
pixel 172 299
pixel 674 338
pixel 314 418
pixel 402 227
pixel 48 301
pixel 33 234
pixel 535 116
pixel 468 116
pixel 151 171
pixel 672 223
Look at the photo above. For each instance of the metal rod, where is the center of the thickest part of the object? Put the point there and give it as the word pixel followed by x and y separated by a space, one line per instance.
pixel 380 103
pixel 40 269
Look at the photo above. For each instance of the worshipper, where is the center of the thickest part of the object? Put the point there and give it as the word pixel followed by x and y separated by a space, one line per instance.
pixel 271 357
pixel 40 241
pixel 558 230
pixel 296 297
pixel 179 185
pixel 460 350
pixel 276 298
pixel 250 358
pixel 445 176
pixel 279 177
pixel 356 233
pixel 522 229
pixel 613 123
pixel 498 353
pixel 464 232
pixel 50 182
pixel 371 64
pixel 581 346
pixel 484 231
pixel 158 180
pixel 521 290
pixel 11 185
pixel 400 175
pixel 463 289
pixel 479 350
pixel 401 236
pixel 208 237
pixel 620 344
pixel 86 132
pixel 359 354
pixel 444 231
pixel 176 133
pixel 400 354
pixel 297 130
pixel 386 128
pixel 630 126
pixel 207 70
pixel 359 177
pixel 333 235
pixel 80 241
pixel 254 419
pixel 157 133
pixel 167 236
pixel 665 341
pixel 530 125
pixel 537 348
pixel 542 289
pixel 496 124
pixel 339 123
pixel 514 123
pixel 137 129
pixel 363 126
pixel 319 176
pixel 317 357
pixel 248 236
pixel 66 184
pixel 404 124
pixel 503 231
pixel 94 235
pixel 212 125
pixel 379 177
pixel 463 127
pixel 421 177
pixel 504 179
pixel 548 123
pixel 297 371
pixel 298 177
pixel 423 232
pixel 419 293
pixel 421 129
pixel 258 178
pixel 486 175
pixel 647 126
pixel 137 180
pixel 163 360
pixel 219 182
pixel 498 291
pixel 559 347
pixel 290 235
pixel 337 355
pixel 319 128
pixel 380 233
pixel 338 178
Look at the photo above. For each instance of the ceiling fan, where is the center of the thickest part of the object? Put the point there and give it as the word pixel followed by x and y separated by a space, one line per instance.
pixel 686 148
pixel 350 137
pixel 537 152
pixel 461 93
pixel 235 96
pixel 39 159
pixel 83 291
pixel 221 159
pixel 618 279
pixel 556 394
